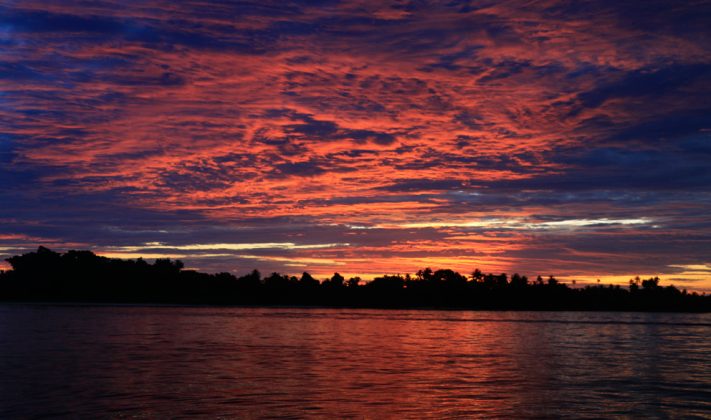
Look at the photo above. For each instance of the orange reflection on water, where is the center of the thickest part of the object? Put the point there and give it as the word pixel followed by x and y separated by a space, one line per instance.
pixel 346 363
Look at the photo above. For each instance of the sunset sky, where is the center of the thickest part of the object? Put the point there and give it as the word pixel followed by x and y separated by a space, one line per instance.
pixel 365 137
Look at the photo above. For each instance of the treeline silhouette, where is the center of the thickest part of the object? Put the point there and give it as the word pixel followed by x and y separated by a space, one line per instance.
pixel 82 276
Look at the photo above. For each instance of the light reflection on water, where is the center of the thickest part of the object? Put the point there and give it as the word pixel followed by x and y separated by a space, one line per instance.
pixel 259 362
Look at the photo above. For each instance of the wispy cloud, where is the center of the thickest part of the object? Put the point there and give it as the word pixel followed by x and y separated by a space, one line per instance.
pixel 227 247
pixel 524 225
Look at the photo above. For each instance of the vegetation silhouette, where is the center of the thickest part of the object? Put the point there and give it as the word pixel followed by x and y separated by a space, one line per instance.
pixel 82 276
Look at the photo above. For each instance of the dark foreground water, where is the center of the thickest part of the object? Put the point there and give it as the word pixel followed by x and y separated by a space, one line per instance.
pixel 161 362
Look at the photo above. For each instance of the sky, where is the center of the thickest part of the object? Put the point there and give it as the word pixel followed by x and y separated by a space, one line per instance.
pixel 365 137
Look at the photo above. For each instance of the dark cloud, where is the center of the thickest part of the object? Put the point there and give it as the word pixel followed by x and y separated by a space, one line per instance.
pixel 312 129
pixel 41 21
pixel 299 169
pixel 406 185
pixel 646 82
pixel 667 127
pixel 623 169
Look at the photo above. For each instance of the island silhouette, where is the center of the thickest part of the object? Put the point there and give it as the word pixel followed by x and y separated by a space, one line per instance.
pixel 84 277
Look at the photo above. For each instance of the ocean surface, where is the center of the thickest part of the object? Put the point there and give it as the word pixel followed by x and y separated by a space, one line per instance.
pixel 167 362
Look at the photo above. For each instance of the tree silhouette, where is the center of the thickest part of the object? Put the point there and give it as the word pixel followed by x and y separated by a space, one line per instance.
pixel 337 280
pixel 649 284
pixel 45 275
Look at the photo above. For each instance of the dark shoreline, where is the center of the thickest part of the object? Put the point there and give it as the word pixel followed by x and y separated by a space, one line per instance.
pixel 100 304
pixel 82 277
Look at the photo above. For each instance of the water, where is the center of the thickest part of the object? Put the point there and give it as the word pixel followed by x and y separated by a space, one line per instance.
pixel 160 362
